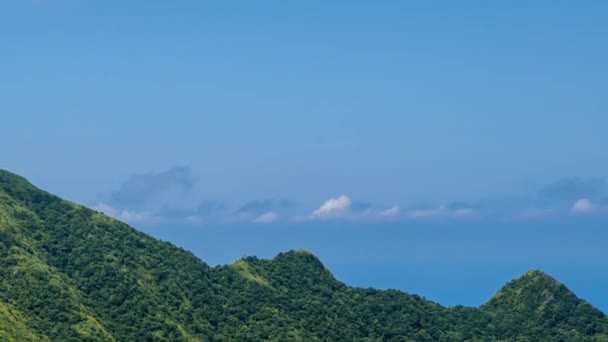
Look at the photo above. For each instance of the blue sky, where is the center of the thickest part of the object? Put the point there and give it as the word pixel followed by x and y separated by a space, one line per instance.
pixel 388 138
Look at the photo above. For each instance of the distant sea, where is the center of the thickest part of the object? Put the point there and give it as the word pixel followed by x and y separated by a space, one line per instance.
pixel 450 262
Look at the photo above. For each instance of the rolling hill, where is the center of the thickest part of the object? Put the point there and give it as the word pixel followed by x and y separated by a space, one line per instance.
pixel 69 273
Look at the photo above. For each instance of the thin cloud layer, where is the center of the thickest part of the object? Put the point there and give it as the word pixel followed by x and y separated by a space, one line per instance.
pixel 135 217
pixel 391 212
pixel 170 197
pixel 457 210
pixel 129 216
pixel 141 189
pixel 257 207
pixel 426 213
pixel 268 217
pixel 158 197
pixel 573 188
pixel 465 213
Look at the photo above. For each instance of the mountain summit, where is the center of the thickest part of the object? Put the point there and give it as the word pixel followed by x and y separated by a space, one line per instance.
pixel 536 301
pixel 69 273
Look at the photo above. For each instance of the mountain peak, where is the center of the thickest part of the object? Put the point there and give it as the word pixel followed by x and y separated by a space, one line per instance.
pixel 300 254
pixel 536 299
pixel 537 275
pixel 534 288
pixel 302 260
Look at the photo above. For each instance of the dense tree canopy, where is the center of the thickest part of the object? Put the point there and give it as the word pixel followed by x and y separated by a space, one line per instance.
pixel 68 273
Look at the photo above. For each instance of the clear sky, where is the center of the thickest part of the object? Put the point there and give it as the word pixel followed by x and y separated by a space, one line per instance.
pixel 437 147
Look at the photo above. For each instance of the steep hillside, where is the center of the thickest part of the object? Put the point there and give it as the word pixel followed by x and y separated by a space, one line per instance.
pixel 75 273
pixel 68 273
pixel 535 304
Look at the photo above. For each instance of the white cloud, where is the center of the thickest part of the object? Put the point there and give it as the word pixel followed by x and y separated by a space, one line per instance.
pixel 584 206
pixel 391 212
pixel 131 216
pixel 106 209
pixel 333 207
pixel 268 217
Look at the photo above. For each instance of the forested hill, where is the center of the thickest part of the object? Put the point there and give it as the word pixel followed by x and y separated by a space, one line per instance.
pixel 68 273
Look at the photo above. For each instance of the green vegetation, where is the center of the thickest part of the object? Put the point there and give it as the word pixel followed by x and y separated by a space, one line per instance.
pixel 68 273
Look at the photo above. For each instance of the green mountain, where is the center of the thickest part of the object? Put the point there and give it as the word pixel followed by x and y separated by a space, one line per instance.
pixel 68 273
pixel 536 304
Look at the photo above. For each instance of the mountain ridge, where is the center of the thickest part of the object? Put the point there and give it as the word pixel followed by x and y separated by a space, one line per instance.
pixel 72 273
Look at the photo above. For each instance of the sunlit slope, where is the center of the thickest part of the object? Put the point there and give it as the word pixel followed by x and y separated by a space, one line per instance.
pixel 69 273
